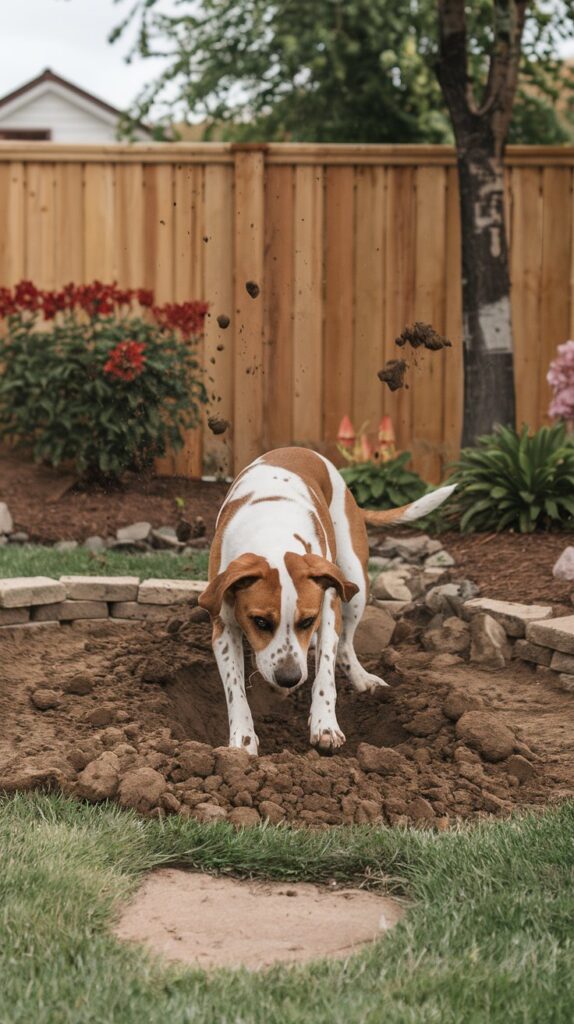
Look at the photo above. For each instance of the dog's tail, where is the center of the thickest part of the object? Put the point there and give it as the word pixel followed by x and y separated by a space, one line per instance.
pixel 407 513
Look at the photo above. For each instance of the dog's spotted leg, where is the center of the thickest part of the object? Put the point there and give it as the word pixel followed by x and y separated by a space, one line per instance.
pixel 325 732
pixel 347 659
pixel 228 650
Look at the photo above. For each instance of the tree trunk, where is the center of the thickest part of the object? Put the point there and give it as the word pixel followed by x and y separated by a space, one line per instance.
pixel 487 321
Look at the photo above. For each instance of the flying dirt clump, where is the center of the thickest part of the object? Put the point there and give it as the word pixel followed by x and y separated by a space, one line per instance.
pixel 424 335
pixel 252 289
pixel 217 424
pixel 223 321
pixel 393 374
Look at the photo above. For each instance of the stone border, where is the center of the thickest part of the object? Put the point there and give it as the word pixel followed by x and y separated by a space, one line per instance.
pixel 27 601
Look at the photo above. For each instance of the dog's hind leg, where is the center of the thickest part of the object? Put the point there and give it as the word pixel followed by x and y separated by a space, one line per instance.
pixel 347 659
pixel 228 650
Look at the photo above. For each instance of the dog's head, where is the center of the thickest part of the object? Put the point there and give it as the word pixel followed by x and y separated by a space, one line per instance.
pixel 278 609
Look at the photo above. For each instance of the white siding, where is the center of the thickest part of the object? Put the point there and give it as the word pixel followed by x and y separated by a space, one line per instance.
pixel 69 118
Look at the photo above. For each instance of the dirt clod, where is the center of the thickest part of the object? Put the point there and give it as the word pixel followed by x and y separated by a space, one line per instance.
pixel 142 789
pixel 80 684
pixel 244 817
pixel 217 424
pixel 393 374
pixel 252 289
pixel 486 734
pixel 45 699
pixel 421 334
pixel 99 779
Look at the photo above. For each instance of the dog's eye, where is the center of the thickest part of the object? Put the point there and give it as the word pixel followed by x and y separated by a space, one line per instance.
pixel 306 623
pixel 265 625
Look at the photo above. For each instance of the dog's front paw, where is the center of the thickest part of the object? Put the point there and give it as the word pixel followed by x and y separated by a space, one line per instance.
pixel 245 740
pixel 366 682
pixel 327 739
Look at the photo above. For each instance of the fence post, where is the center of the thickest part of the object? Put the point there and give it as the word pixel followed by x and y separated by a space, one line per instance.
pixel 249 224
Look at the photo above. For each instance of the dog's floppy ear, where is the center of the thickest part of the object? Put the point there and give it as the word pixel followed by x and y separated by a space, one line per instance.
pixel 240 573
pixel 325 573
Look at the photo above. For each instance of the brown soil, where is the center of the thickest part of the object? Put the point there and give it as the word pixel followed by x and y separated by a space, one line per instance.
pixel 208 922
pixel 144 710
pixel 49 507
pixel 393 374
pixel 422 334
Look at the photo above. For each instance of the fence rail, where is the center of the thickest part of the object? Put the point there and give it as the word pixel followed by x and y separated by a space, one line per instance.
pixel 347 244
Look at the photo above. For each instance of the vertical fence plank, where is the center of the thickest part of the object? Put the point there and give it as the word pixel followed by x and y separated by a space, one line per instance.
pixel 554 302
pixel 99 233
pixel 218 292
pixel 400 287
pixel 339 304
pixel 69 223
pixel 12 223
pixel 525 274
pixel 130 240
pixel 308 305
pixel 278 307
pixel 453 358
pixel 249 211
pixel 40 234
pixel 369 245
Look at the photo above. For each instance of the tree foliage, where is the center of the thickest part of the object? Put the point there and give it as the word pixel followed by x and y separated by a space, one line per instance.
pixel 332 70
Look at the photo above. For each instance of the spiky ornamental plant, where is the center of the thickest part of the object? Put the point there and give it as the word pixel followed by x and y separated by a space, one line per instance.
pixel 516 481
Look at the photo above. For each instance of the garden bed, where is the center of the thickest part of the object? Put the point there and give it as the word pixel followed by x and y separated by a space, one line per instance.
pixel 146 705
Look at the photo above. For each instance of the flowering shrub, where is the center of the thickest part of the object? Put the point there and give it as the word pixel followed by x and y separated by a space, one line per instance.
pixel 560 376
pixel 98 374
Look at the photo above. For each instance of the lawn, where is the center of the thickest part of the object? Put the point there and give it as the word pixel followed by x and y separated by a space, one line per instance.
pixel 35 560
pixel 489 936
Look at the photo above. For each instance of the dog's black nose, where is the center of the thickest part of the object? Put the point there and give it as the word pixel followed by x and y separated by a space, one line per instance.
pixel 288 676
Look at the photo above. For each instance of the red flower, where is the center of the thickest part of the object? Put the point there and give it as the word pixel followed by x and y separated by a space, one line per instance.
pixel 144 296
pixel 27 296
pixel 126 361
pixel 187 317
pixel 7 304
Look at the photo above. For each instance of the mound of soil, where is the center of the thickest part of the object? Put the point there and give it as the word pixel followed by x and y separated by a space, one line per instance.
pixel 140 717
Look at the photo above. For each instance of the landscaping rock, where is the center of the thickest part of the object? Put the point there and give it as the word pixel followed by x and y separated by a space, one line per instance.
pixel 143 612
pixel 45 699
pixel 95 544
pixel 244 817
pixel 564 567
pixel 6 521
pixel 136 532
pixel 99 779
pixel 440 560
pixel 20 537
pixel 66 545
pixel 390 586
pixel 485 733
pixel 394 608
pixel 101 588
pixel 14 616
pixel 448 598
pixel 165 538
pixel 383 760
pixel 514 618
pixel 453 637
pixel 560 662
pixel 411 548
pixel 374 632
pixel 68 611
pixel 141 789
pixel 30 590
pixel 489 646
pixel 566 682
pixel 556 633
pixel 169 591
pixel 528 651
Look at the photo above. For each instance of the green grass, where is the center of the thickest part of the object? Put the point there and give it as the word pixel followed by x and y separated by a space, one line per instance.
pixel 489 936
pixel 34 560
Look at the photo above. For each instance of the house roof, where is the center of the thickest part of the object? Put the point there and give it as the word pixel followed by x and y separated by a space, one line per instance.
pixel 50 76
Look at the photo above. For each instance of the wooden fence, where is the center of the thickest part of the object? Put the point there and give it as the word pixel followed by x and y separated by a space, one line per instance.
pixel 347 243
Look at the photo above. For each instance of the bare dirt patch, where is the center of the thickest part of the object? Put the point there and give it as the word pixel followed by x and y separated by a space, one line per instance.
pixel 208 922
pixel 140 718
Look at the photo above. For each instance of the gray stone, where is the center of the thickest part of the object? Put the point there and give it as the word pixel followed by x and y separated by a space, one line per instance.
pixel 560 662
pixel 95 544
pixel 14 616
pixel 135 532
pixel 126 545
pixel 6 521
pixel 101 588
pixel 394 608
pixel 528 651
pixel 412 548
pixel 68 611
pixel 390 586
pixel 564 566
pixel 489 646
pixel 30 590
pixel 448 598
pixel 374 632
pixel 166 538
pixel 142 612
pixel 66 545
pixel 555 633
pixel 19 537
pixel 453 637
pixel 440 560
pixel 514 617
pixel 169 591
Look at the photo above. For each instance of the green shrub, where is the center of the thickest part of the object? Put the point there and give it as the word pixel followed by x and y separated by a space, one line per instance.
pixel 98 375
pixel 511 480
pixel 383 485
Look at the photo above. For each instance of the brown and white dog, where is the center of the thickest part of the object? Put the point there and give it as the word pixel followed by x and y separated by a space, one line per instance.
pixel 288 561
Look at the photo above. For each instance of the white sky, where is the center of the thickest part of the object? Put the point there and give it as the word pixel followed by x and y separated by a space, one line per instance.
pixel 70 37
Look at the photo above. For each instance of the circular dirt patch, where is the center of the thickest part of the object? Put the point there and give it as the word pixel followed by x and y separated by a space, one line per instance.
pixel 209 922
pixel 138 715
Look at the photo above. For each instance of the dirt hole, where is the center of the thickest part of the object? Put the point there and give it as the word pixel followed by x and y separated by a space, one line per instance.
pixel 211 922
